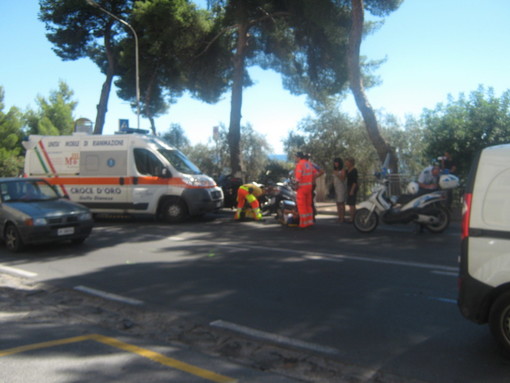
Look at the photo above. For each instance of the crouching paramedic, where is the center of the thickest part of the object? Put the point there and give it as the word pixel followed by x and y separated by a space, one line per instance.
pixel 249 193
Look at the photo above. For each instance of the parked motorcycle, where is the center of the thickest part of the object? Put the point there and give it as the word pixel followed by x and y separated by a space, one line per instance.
pixel 422 208
pixel 286 205
pixel 274 194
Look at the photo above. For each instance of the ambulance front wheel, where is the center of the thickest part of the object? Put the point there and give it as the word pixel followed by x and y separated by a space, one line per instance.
pixel 173 210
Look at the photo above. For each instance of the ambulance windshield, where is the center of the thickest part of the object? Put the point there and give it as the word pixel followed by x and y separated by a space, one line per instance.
pixel 179 161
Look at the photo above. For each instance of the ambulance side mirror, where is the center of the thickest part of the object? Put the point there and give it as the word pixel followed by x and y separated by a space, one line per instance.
pixel 165 173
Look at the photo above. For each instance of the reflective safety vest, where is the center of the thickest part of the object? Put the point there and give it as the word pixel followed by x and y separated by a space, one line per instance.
pixel 255 190
pixel 249 193
pixel 304 173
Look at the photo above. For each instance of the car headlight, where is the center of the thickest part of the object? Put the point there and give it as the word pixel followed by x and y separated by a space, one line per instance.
pixel 36 222
pixel 85 217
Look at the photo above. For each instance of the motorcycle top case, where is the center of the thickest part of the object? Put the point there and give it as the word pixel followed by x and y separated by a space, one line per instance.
pixel 448 181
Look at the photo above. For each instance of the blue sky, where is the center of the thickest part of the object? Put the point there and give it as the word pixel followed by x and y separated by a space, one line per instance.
pixel 433 48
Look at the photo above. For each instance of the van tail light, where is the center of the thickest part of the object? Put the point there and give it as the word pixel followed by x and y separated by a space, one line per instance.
pixel 466 212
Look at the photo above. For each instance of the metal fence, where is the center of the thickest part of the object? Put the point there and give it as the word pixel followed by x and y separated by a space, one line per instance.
pixel 397 185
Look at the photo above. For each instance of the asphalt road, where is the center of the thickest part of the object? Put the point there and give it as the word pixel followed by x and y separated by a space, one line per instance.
pixel 385 301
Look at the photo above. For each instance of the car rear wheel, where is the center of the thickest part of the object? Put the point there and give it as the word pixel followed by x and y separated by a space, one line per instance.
pixel 13 240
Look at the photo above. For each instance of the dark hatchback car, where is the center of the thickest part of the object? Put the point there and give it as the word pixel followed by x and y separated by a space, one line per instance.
pixel 32 212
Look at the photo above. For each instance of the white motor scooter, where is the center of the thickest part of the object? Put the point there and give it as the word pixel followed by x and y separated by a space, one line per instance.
pixel 422 208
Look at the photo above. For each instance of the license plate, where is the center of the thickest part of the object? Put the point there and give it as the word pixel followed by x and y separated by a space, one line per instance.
pixel 65 231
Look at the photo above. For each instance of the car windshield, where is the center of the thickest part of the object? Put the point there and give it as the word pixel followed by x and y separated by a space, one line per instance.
pixel 27 190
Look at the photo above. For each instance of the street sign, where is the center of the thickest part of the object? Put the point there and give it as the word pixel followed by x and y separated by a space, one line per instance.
pixel 123 125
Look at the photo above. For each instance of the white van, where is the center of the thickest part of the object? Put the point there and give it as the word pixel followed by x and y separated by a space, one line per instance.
pixel 126 173
pixel 484 283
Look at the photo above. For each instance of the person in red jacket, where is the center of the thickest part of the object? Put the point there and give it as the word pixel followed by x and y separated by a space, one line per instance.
pixel 304 174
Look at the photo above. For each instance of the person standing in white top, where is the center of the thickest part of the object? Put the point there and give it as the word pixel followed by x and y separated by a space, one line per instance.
pixel 340 185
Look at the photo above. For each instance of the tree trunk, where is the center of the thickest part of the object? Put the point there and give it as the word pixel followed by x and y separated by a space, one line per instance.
pixel 234 133
pixel 356 85
pixel 102 107
pixel 153 125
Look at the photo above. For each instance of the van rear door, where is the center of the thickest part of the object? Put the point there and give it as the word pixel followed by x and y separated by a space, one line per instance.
pixel 485 246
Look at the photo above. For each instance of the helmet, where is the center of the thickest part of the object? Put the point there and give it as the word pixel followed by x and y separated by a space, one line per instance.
pixel 413 187
pixel 448 181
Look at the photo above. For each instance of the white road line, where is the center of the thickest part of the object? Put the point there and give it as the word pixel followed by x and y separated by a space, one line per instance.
pixel 110 296
pixel 406 229
pixel 332 257
pixel 273 338
pixel 445 300
pixel 176 238
pixel 336 257
pixel 448 273
pixel 315 257
pixel 17 272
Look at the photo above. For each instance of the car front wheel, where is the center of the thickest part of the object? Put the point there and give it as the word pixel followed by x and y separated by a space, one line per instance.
pixel 13 240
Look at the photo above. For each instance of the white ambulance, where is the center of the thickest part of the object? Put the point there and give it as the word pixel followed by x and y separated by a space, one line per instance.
pixel 125 173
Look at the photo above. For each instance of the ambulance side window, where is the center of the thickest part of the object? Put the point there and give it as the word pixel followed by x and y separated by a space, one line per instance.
pixel 147 163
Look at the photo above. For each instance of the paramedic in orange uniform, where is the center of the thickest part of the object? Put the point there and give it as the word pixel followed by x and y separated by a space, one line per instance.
pixel 249 193
pixel 304 174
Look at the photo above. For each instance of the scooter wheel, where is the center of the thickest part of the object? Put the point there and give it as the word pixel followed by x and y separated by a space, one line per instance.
pixel 443 220
pixel 365 221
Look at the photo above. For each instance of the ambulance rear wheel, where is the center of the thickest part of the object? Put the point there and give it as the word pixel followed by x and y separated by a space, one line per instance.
pixel 174 210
